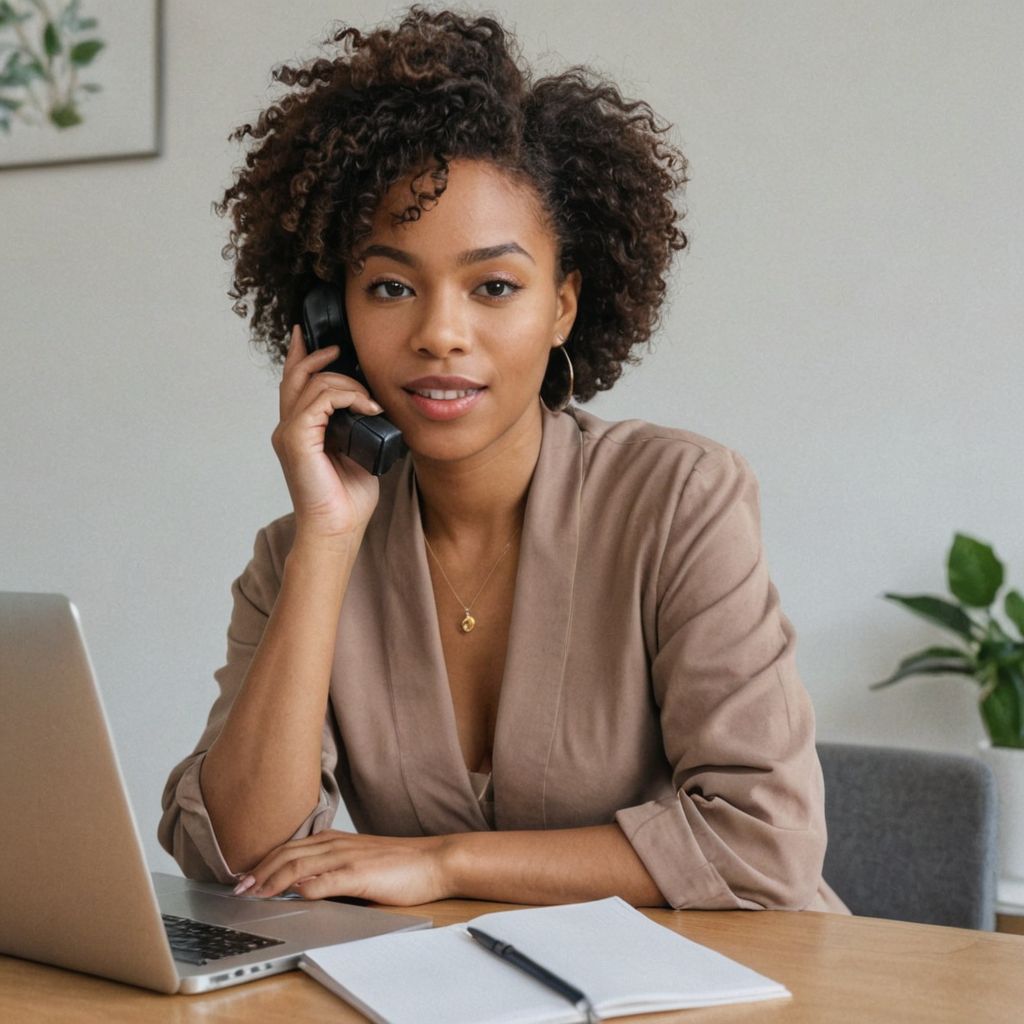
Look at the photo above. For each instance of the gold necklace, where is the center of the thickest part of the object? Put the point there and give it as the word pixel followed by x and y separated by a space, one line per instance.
pixel 468 622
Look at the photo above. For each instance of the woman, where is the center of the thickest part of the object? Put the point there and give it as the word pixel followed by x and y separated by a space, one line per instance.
pixel 540 659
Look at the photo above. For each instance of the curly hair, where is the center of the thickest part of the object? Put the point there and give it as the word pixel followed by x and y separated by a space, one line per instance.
pixel 403 103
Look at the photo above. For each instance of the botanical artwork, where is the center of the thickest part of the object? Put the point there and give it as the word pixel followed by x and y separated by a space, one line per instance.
pixel 41 67
pixel 78 80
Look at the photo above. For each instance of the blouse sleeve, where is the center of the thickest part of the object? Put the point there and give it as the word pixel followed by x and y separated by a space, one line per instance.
pixel 745 828
pixel 185 829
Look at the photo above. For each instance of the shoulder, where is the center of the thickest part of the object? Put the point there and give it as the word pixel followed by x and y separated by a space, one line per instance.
pixel 654 458
pixel 638 433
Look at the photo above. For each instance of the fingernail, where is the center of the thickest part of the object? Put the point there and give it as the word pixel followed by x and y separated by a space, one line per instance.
pixel 244 885
pixel 376 407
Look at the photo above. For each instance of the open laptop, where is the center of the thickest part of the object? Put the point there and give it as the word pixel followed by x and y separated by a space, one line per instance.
pixel 74 887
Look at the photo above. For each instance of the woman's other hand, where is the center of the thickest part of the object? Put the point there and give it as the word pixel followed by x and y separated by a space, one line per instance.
pixel 401 872
pixel 332 495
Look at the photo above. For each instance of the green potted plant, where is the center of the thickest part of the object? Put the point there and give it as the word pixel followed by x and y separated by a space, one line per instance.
pixel 994 660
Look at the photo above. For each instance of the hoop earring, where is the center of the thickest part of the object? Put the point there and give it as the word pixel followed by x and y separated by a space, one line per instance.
pixel 564 404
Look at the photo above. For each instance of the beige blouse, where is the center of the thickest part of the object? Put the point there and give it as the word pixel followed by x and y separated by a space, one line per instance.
pixel 650 678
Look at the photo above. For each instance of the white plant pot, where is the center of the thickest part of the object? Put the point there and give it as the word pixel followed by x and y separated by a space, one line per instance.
pixel 1007 764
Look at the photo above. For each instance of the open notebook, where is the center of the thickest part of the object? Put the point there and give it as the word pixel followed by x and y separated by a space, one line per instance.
pixel 625 964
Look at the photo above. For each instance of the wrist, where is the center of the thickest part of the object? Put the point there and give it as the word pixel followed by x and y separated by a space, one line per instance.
pixel 313 549
pixel 449 856
pixel 319 571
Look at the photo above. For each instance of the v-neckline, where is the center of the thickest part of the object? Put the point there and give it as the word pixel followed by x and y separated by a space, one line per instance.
pixel 433 768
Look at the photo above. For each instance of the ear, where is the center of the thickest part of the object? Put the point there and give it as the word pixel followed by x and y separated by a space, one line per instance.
pixel 567 303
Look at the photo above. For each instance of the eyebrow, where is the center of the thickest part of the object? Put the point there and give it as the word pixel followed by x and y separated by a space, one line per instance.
pixel 463 259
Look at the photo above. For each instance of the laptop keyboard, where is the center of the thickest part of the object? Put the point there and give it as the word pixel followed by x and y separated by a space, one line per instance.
pixel 194 942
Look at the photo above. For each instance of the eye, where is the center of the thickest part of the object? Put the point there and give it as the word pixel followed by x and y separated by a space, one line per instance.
pixel 497 283
pixel 392 289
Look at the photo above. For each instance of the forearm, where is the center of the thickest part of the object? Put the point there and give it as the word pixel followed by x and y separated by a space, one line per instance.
pixel 542 867
pixel 261 777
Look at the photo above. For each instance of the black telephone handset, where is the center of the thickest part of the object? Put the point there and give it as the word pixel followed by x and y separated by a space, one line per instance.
pixel 372 441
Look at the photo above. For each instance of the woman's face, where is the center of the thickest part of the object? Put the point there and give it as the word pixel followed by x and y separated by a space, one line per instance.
pixel 454 315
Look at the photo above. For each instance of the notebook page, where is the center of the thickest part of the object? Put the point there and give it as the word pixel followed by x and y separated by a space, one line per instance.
pixel 625 962
pixel 440 975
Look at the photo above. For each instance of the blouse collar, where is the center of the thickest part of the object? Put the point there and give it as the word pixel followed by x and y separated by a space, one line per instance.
pixel 432 764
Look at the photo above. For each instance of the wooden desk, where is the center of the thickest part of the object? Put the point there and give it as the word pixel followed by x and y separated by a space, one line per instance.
pixel 839 969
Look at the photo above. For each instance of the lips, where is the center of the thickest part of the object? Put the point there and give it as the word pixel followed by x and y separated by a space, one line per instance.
pixel 443 397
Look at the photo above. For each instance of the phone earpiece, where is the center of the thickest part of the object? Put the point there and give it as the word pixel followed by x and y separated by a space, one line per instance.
pixel 372 441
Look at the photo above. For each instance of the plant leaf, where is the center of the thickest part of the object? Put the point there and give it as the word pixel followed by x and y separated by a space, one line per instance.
pixel 948 653
pixel 1014 608
pixel 927 668
pixel 51 40
pixel 1016 677
pixel 17 71
pixel 9 16
pixel 65 116
pixel 997 712
pixel 70 15
pixel 1000 651
pixel 84 52
pixel 1002 709
pixel 938 610
pixel 20 75
pixel 975 574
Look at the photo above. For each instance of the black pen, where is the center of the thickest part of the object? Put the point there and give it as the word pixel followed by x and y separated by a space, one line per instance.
pixel 512 955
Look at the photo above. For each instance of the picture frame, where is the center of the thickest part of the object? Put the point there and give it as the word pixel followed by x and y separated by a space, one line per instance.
pixel 80 80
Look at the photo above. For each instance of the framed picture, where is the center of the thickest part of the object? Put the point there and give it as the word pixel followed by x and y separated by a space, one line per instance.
pixel 79 80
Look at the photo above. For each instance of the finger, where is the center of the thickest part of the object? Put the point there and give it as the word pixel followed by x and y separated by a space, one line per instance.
pixel 318 357
pixel 300 359
pixel 327 392
pixel 305 865
pixel 322 394
pixel 315 838
pixel 339 882
pixel 289 851
pixel 296 354
pixel 296 346
pixel 300 370
pixel 317 844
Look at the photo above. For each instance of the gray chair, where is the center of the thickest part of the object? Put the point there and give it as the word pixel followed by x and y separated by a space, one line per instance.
pixel 911 834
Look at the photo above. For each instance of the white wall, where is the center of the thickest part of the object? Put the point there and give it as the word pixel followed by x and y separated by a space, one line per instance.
pixel 848 317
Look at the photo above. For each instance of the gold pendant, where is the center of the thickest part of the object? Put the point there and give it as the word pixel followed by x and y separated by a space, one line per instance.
pixel 467 624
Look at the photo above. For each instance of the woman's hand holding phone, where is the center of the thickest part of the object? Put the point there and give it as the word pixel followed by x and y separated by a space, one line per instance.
pixel 265 764
pixel 333 496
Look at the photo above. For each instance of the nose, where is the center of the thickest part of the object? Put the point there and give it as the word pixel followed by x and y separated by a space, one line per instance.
pixel 443 327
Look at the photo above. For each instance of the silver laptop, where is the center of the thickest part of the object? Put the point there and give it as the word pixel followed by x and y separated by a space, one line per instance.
pixel 74 887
